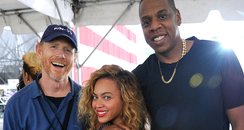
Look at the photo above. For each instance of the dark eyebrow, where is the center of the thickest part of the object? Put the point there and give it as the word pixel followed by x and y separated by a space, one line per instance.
pixel 162 11
pixel 106 93
pixel 94 94
pixel 145 17
pixel 159 12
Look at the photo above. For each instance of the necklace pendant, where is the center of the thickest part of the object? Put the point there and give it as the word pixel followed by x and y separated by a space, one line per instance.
pixel 166 82
pixel 171 78
pixel 183 53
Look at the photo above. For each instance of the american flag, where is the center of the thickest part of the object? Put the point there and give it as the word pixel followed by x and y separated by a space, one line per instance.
pixel 119 47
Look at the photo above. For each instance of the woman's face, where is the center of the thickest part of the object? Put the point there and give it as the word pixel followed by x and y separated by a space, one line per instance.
pixel 107 102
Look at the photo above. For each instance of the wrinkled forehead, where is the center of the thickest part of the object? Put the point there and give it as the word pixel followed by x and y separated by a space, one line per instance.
pixel 152 6
pixel 60 40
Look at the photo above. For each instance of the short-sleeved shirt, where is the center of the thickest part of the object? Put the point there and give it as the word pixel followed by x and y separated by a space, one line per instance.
pixel 208 81
pixel 29 110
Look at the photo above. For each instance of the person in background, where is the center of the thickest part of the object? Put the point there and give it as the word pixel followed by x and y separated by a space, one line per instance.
pixel 21 83
pixel 188 84
pixel 50 102
pixel 31 69
pixel 111 100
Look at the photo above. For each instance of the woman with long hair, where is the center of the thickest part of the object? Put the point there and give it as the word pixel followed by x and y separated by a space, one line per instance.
pixel 112 100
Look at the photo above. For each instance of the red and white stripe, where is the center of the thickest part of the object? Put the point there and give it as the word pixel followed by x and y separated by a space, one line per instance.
pixel 119 47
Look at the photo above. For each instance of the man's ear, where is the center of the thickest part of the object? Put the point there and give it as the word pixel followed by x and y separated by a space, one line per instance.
pixel 38 49
pixel 76 56
pixel 178 17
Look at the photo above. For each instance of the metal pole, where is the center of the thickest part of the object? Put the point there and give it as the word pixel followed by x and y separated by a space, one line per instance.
pixel 4 19
pixel 123 13
pixel 59 14
pixel 32 29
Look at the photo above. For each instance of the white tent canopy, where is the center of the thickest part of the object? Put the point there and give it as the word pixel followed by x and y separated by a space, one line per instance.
pixel 33 16
pixel 105 12
pixel 25 16
pixel 22 19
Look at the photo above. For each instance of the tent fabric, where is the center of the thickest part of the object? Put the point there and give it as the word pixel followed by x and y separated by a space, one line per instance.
pixel 33 16
pixel 23 19
pixel 105 12
pixel 40 13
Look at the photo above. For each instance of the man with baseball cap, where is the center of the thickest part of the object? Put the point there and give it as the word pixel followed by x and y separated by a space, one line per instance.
pixel 54 31
pixel 50 101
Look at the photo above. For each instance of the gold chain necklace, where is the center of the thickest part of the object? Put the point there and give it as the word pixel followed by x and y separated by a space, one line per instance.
pixel 183 53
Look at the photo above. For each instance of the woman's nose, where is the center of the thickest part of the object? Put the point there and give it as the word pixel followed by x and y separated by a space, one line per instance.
pixel 99 103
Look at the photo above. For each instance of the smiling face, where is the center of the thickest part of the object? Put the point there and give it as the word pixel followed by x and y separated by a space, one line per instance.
pixel 160 23
pixel 107 102
pixel 57 58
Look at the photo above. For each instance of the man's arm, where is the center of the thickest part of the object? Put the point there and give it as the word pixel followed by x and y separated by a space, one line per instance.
pixel 236 117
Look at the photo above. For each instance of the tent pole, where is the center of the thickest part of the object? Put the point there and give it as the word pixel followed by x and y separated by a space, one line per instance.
pixel 49 19
pixel 123 13
pixel 59 14
pixel 4 19
pixel 32 29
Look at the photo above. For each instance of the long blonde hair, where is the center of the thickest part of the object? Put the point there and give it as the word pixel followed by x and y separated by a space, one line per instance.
pixel 134 112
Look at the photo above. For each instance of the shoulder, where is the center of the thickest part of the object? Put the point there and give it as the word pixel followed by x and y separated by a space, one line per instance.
pixel 204 42
pixel 20 99
pixel 147 64
pixel 143 71
pixel 23 93
pixel 76 88
pixel 75 85
pixel 207 47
